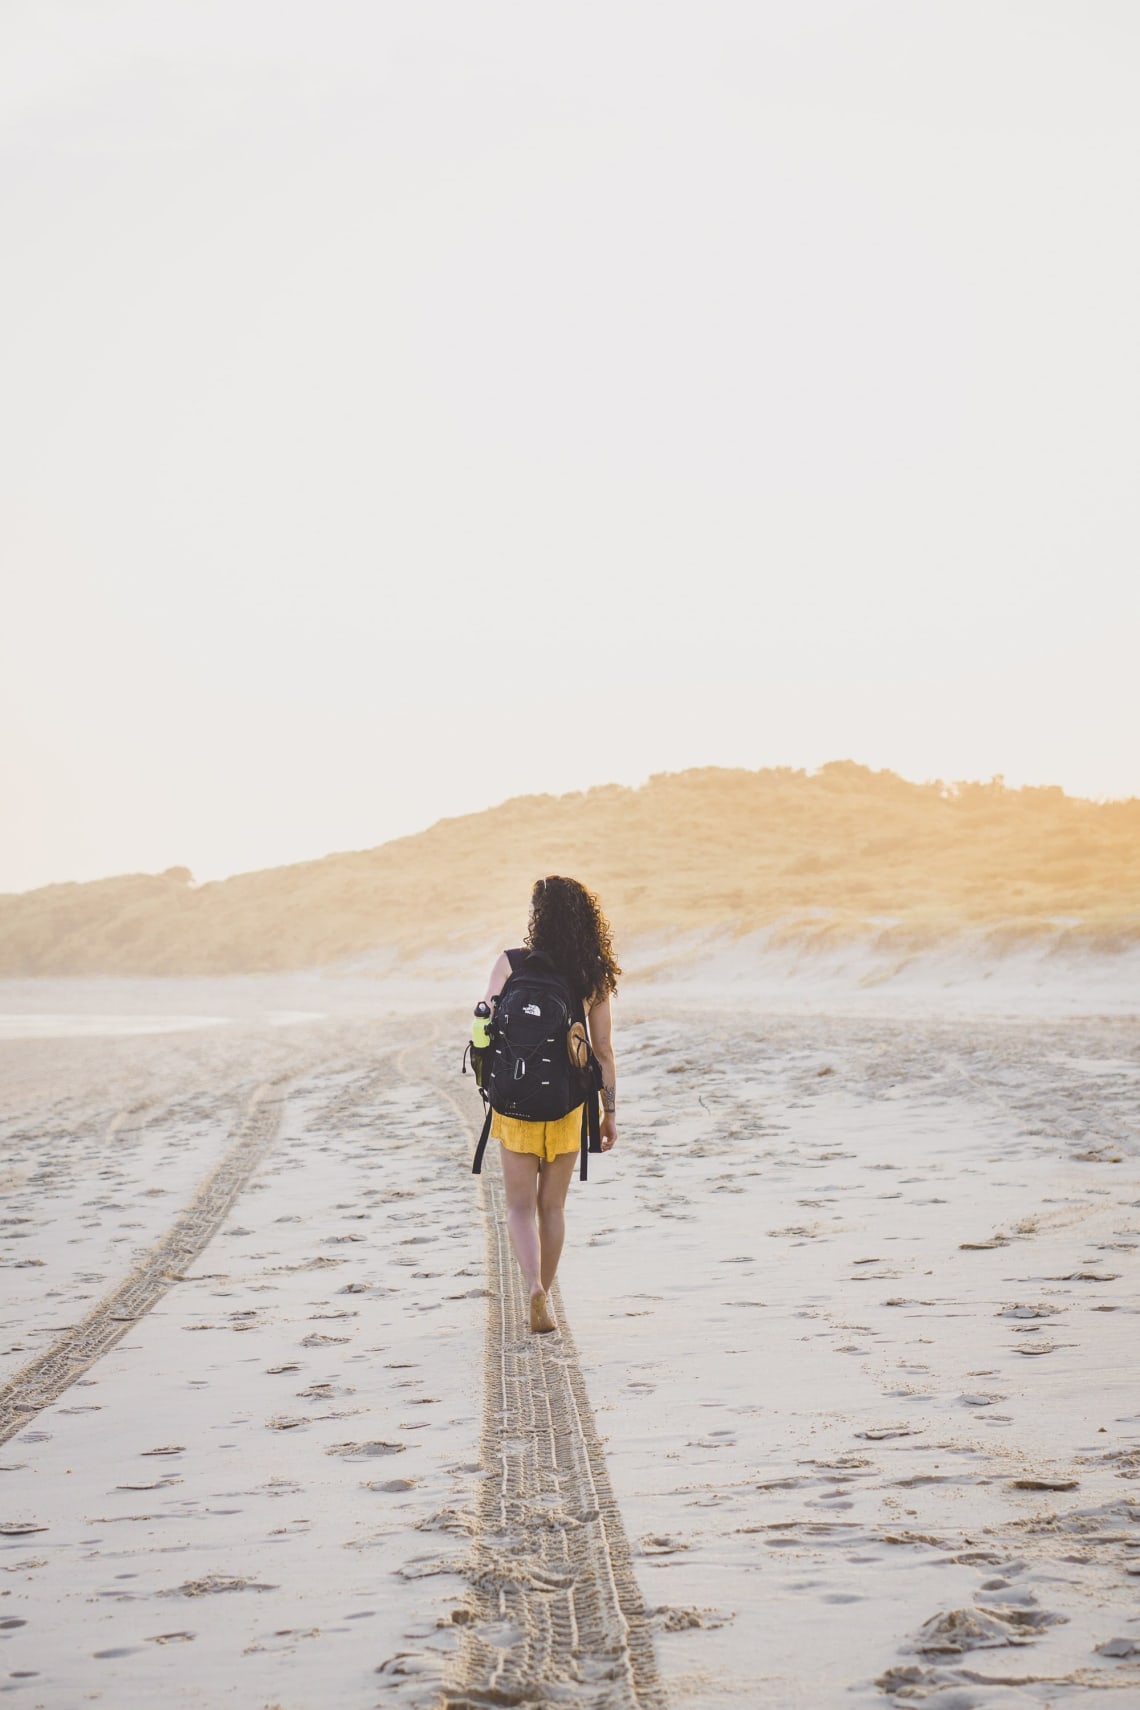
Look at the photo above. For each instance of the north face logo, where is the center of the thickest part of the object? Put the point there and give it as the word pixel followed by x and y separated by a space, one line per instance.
pixel 531 1009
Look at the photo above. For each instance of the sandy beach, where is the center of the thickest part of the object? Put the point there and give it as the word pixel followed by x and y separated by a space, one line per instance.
pixel 844 1408
pixel 657 482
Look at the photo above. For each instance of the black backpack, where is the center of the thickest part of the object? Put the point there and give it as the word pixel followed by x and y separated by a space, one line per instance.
pixel 539 1065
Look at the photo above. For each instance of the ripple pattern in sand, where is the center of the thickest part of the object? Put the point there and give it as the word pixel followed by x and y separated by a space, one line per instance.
pixel 45 1378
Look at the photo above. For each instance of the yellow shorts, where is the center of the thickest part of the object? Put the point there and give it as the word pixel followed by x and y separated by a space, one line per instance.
pixel 548 1140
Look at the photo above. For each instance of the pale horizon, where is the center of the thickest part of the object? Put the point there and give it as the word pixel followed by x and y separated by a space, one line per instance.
pixel 408 409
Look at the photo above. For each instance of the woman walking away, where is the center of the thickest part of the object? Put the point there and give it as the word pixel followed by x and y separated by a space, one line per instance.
pixel 571 937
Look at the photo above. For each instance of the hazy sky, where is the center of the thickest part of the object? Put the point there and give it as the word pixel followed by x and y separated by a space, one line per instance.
pixel 410 404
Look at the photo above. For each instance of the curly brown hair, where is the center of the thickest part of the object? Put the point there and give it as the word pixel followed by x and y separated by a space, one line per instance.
pixel 567 924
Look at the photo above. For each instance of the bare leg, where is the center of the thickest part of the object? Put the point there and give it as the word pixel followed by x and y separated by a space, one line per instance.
pixel 520 1178
pixel 553 1183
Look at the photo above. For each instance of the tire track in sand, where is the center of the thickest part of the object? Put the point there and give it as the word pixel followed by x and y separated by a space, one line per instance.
pixel 42 1380
pixel 555 1611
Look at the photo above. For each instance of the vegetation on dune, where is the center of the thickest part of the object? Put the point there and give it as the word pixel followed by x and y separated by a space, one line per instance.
pixel 822 857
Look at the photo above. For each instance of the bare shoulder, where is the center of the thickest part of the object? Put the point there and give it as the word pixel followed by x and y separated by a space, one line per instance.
pixel 599 1017
pixel 500 974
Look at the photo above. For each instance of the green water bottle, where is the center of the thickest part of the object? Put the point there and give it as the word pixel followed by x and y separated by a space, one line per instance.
pixel 481 1027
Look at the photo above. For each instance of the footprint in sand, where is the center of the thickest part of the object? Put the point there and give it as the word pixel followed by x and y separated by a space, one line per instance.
pixel 365 1451
pixel 961 1630
pixel 1087 1275
pixel 884 1433
pixel 673 1620
pixel 215 1583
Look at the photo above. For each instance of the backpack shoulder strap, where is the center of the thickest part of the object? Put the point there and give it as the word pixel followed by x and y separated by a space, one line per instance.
pixel 516 958
pixel 481 1147
pixel 591 1123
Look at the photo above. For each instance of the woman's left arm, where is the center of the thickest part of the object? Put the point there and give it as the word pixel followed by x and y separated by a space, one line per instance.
pixel 601 1038
pixel 500 974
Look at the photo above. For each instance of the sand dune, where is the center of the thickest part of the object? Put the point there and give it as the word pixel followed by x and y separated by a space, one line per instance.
pixel 840 855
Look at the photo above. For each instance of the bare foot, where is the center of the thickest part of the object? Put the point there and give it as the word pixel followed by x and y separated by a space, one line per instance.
pixel 540 1320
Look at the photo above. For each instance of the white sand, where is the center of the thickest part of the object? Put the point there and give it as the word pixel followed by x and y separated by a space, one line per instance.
pixel 820 1383
pixel 852 1274
pixel 340 1304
